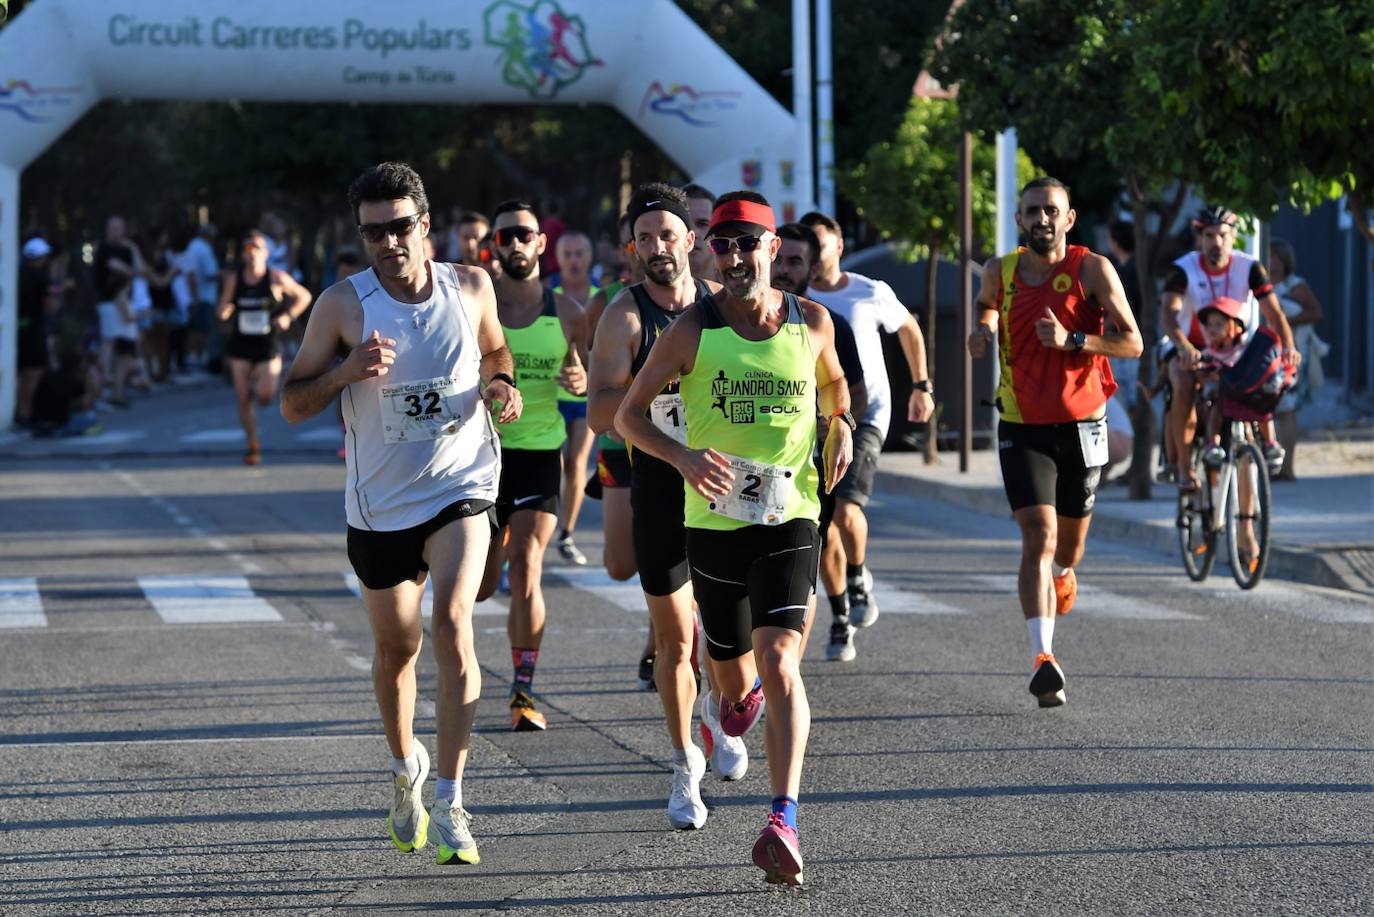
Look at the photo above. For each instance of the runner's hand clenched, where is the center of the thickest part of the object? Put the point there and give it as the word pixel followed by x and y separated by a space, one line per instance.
pixel 503 401
pixel 838 454
pixel 370 359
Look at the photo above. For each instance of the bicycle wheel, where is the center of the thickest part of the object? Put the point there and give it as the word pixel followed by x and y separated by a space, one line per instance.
pixel 1197 540
pixel 1247 516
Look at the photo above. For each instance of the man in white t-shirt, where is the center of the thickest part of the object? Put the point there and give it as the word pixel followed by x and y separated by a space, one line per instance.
pixel 201 271
pixel 870 306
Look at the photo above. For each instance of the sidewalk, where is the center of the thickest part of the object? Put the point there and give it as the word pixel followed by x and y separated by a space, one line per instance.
pixel 1323 527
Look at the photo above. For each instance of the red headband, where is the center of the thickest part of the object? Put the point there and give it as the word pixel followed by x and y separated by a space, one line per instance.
pixel 743 212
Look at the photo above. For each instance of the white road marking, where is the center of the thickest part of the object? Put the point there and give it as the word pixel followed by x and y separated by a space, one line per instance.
pixel 1096 602
pixel 485 607
pixel 1330 606
pixel 332 435
pixel 625 594
pixel 893 601
pixel 209 437
pixel 20 603
pixel 193 599
pixel 108 438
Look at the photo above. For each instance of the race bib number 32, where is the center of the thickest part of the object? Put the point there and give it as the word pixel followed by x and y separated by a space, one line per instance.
pixel 418 411
pixel 759 494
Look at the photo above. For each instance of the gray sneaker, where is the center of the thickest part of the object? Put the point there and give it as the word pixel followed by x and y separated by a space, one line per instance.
pixel 863 607
pixel 569 551
pixel 841 646
pixel 407 821
pixel 448 829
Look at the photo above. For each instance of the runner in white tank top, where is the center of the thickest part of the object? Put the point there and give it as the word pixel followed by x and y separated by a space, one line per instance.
pixel 426 373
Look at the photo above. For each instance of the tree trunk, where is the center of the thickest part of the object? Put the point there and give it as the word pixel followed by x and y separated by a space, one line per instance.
pixel 1142 417
pixel 932 425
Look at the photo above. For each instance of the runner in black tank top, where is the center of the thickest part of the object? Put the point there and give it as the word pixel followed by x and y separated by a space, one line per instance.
pixel 255 310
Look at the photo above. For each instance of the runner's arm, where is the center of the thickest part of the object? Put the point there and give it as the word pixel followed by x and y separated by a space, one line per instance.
pixel 988 309
pixel 491 341
pixel 297 296
pixel 226 297
pixel 612 357
pixel 1121 336
pixel 572 317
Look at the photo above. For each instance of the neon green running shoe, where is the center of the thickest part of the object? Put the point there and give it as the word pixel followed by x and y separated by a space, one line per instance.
pixel 448 830
pixel 407 822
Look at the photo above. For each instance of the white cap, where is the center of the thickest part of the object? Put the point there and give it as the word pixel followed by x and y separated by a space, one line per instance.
pixel 37 248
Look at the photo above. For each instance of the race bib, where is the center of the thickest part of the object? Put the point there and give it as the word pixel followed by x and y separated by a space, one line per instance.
pixel 669 414
pixel 418 411
pixel 255 322
pixel 759 494
pixel 1092 436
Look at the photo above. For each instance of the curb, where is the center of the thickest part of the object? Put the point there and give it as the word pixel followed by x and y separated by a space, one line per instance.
pixel 1304 565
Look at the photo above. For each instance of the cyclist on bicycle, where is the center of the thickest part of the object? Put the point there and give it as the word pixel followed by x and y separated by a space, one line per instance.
pixel 1197 280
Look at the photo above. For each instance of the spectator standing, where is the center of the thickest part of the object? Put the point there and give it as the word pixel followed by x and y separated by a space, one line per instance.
pixel 1303 310
pixel 36 304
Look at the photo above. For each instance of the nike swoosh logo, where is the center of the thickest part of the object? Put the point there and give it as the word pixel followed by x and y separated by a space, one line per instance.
pixel 524 500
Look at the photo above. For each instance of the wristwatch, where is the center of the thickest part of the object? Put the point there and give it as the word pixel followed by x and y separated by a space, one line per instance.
pixel 923 385
pixel 848 418
pixel 504 377
pixel 1078 339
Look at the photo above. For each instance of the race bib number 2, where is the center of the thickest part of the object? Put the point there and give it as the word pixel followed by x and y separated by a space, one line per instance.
pixel 419 411
pixel 759 494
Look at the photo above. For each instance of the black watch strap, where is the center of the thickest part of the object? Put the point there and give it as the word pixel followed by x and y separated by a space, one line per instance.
pixel 923 385
pixel 504 377
pixel 848 418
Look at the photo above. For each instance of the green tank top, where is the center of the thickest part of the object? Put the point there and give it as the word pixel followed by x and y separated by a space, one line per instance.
pixel 539 350
pixel 564 394
pixel 606 440
pixel 755 400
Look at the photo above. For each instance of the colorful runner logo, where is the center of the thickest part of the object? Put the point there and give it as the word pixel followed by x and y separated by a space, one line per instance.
pixel 696 108
pixel 543 48
pixel 35 104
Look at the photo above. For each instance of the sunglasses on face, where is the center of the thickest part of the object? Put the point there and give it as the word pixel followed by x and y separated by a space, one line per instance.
pixel 743 244
pixel 378 232
pixel 512 234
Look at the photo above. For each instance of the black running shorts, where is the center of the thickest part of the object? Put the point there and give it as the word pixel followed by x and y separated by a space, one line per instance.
pixel 757 576
pixel 530 480
pixel 386 559
pixel 857 484
pixel 1042 465
pixel 660 540
pixel 613 468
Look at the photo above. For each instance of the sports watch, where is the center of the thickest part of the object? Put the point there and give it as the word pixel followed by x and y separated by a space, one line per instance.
pixel 1078 339
pixel 923 385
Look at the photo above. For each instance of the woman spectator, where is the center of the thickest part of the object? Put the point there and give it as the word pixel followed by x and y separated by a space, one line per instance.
pixel 1303 311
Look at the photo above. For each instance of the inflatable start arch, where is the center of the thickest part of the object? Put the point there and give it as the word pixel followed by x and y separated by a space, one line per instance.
pixel 645 58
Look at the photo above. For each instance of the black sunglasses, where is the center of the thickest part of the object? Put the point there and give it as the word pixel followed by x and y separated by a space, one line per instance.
pixel 723 246
pixel 512 234
pixel 400 228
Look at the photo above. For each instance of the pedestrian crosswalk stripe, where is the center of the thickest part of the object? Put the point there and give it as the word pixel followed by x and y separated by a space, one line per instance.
pixel 205 599
pixel 210 437
pixel 484 607
pixel 1330 606
pixel 893 601
pixel 20 603
pixel 1096 602
pixel 624 594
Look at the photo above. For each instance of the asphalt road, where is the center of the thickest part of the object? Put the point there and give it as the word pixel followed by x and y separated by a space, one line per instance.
pixel 188 727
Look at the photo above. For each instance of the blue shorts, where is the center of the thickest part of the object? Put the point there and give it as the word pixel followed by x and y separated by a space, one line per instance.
pixel 572 410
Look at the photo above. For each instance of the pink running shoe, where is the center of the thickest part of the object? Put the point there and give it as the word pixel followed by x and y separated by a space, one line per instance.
pixel 778 852
pixel 737 719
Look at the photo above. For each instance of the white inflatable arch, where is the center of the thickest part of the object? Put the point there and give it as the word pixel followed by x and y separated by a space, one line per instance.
pixel 645 58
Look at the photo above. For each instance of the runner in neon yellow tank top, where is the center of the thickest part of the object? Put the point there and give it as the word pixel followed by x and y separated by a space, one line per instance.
pixel 756 359
pixel 544 331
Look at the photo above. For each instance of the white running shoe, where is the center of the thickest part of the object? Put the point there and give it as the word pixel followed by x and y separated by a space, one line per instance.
pixel 448 829
pixel 841 645
pixel 729 756
pixel 863 606
pixel 685 808
pixel 569 551
pixel 407 821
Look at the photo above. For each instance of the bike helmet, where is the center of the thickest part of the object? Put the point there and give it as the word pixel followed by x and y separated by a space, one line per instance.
pixel 1214 216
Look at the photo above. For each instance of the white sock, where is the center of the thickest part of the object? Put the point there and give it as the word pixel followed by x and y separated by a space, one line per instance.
pixel 408 766
pixel 1058 570
pixel 448 790
pixel 1041 634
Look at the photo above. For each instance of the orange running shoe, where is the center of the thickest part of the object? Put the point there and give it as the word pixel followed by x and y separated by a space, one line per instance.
pixel 523 715
pixel 1065 591
pixel 254 454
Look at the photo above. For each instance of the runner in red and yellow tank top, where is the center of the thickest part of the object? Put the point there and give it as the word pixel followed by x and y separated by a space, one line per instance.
pixel 1056 312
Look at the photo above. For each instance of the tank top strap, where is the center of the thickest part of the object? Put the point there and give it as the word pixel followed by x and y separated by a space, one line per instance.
pixel 703 290
pixel 794 309
pixel 550 303
pixel 643 302
pixel 710 315
pixel 364 283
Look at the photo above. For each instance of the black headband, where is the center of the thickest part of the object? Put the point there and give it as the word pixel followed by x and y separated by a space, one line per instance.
pixel 640 207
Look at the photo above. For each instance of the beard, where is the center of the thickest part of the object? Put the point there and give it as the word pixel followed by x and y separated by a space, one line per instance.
pixel 663 271
pixel 1214 256
pixel 1041 243
pixel 520 271
pixel 788 285
pixel 746 286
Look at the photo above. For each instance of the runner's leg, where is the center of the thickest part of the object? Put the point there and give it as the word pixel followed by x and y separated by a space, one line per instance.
pixel 396 633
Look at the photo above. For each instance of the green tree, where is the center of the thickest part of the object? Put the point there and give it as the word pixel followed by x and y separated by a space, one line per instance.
pixel 908 188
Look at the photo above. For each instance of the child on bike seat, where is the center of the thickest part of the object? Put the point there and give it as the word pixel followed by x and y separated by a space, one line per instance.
pixel 1223 325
